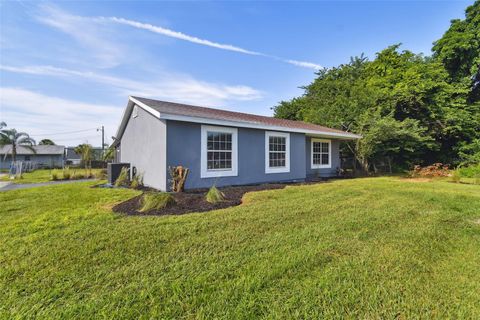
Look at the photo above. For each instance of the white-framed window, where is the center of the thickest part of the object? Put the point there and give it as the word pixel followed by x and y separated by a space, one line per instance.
pixel 321 153
pixel 218 152
pixel 277 152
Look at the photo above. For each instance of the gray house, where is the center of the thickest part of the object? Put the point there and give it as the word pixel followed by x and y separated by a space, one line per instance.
pixel 45 156
pixel 222 147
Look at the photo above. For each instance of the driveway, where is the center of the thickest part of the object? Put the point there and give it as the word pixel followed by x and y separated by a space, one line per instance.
pixel 6 186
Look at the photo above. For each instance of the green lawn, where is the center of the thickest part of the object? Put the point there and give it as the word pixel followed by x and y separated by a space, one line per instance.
pixel 364 248
pixel 44 175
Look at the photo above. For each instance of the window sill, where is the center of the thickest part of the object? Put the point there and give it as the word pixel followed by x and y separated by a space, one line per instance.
pixel 218 173
pixel 277 170
pixel 321 167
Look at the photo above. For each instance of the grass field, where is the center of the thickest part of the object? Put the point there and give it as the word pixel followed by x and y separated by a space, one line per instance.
pixel 45 175
pixel 363 248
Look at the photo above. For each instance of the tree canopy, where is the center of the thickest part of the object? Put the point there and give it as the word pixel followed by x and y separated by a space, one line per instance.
pixel 46 142
pixel 409 108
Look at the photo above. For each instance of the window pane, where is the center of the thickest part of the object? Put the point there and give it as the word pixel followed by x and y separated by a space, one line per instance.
pixel 324 158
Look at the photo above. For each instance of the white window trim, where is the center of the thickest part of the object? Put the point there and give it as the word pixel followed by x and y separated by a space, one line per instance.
pixel 204 172
pixel 286 135
pixel 321 166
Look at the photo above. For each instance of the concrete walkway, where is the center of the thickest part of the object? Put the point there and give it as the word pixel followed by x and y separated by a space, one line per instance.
pixel 6 186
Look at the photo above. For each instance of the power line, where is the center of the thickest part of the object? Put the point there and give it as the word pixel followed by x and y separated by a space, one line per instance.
pixel 61 133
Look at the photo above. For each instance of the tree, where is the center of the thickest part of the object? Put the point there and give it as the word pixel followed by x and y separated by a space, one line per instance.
pixel 46 142
pixel 459 50
pixel 13 138
pixel 404 104
pixel 109 154
pixel 85 151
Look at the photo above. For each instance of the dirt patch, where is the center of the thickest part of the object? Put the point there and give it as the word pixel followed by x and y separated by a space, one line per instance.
pixel 194 201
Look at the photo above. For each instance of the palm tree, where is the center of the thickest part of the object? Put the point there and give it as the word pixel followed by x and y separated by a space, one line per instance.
pixel 15 139
pixel 85 150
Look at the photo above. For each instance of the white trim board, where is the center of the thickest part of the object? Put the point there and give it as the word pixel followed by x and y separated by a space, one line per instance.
pixel 204 172
pixel 321 166
pixel 269 169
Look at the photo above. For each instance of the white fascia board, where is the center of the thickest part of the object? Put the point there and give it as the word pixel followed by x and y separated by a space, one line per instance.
pixel 146 107
pixel 257 126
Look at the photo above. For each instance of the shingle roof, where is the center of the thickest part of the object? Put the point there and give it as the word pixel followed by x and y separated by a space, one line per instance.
pixel 218 114
pixel 44 149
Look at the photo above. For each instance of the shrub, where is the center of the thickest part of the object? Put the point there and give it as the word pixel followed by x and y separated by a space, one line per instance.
pixel 156 201
pixel 66 173
pixel 456 176
pixel 477 180
pixel 77 176
pixel 214 195
pixel 470 172
pixel 102 174
pixel 54 175
pixel 123 180
pixel 137 181
pixel 435 170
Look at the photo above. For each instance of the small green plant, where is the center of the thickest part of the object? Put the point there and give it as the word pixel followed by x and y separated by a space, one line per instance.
pixel 66 173
pixel 137 181
pixel 156 201
pixel 456 176
pixel 214 195
pixel 54 175
pixel 102 174
pixel 123 180
pixel 77 176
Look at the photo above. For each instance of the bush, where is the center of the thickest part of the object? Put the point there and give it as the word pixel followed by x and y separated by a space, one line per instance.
pixel 77 176
pixel 456 176
pixel 54 175
pixel 101 175
pixel 156 201
pixel 66 173
pixel 123 179
pixel 435 170
pixel 469 172
pixel 137 181
pixel 214 195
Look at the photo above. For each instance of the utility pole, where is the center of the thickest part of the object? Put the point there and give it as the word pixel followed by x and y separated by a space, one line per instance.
pixel 103 139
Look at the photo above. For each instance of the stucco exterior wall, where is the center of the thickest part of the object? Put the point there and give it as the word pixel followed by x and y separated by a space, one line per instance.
pixel 184 148
pixel 322 172
pixel 143 145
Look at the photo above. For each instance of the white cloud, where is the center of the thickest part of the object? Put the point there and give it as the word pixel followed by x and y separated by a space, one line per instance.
pixel 173 87
pixel 304 64
pixel 90 33
pixel 180 35
pixel 40 115
pixel 185 37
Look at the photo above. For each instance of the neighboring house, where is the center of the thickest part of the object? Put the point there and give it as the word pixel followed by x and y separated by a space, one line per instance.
pixel 46 156
pixel 73 158
pixel 222 147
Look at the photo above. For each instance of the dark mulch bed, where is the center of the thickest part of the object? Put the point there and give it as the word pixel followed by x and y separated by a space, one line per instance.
pixel 194 201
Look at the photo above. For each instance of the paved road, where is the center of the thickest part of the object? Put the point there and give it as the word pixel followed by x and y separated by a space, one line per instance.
pixel 6 186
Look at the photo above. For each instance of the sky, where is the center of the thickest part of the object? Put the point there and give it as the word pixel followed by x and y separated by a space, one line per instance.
pixel 67 68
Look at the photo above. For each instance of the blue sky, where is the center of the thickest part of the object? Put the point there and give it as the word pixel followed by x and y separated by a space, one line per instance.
pixel 67 68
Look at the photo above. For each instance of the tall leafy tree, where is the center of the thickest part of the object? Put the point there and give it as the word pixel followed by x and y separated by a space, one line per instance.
pixel 459 50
